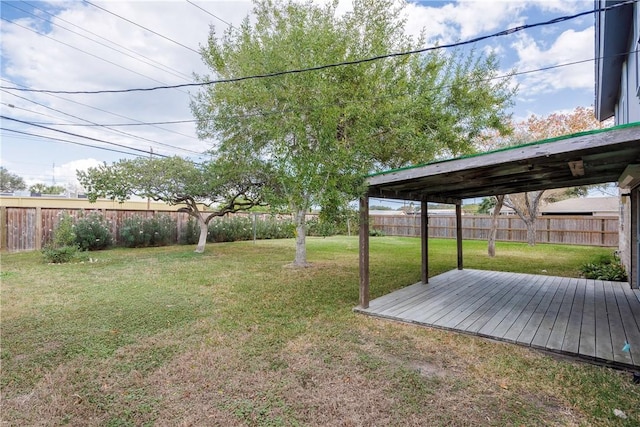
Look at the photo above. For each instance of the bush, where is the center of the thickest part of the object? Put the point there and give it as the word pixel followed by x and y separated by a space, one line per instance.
pixel 64 234
pixel 237 228
pixel 376 233
pixel 605 268
pixel 62 254
pixel 63 247
pixel 230 229
pixel 191 233
pixel 320 227
pixel 138 232
pixel 92 232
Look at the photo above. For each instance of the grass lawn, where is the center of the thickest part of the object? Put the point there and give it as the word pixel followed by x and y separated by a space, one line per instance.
pixel 234 336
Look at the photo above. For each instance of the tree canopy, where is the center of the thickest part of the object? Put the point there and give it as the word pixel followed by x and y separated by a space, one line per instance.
pixel 43 188
pixel 220 187
pixel 10 182
pixel 536 128
pixel 322 131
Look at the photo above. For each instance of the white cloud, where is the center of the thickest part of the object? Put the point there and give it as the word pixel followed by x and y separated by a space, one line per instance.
pixel 47 61
pixel 570 46
pixel 68 171
pixel 40 62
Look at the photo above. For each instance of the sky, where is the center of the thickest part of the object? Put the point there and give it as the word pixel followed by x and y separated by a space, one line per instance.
pixel 82 46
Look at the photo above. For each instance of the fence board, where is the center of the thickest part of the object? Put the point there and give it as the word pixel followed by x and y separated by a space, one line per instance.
pixel 571 230
pixel 20 224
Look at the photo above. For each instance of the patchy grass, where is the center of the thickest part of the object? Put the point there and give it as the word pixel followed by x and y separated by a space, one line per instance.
pixel 164 336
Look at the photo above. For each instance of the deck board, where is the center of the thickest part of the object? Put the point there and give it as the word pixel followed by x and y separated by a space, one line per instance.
pixel 589 319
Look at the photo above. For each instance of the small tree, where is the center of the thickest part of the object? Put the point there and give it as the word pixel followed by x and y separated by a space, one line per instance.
pixel 10 182
pixel 224 186
pixel 46 189
pixel 323 131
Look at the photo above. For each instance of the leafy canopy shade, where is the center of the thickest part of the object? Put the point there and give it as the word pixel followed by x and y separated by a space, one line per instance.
pixel 322 131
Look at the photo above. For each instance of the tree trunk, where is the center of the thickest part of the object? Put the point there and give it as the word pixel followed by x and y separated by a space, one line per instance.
pixel 494 226
pixel 204 229
pixel 301 234
pixel 531 231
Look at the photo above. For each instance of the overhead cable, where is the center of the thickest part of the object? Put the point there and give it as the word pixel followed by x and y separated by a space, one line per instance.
pixel 70 142
pixel 58 18
pixel 103 126
pixel 101 110
pixel 81 136
pixel 143 27
pixel 343 63
pixel 181 75
pixel 79 50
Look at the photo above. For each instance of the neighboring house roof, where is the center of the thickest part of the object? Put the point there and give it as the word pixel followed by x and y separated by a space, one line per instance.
pixel 612 31
pixel 583 206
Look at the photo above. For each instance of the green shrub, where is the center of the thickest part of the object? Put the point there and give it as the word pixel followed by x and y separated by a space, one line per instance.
pixel 237 228
pixel 92 232
pixel 605 268
pixel 230 229
pixel 191 233
pixel 64 233
pixel 273 227
pixel 138 232
pixel 374 232
pixel 321 227
pixel 62 248
pixel 62 254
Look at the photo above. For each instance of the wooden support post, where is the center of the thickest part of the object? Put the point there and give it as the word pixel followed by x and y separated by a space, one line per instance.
pixel 364 252
pixel 424 239
pixel 633 239
pixel 459 233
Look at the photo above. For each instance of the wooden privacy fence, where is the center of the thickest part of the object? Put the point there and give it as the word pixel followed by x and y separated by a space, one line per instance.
pixel 30 228
pixel 571 230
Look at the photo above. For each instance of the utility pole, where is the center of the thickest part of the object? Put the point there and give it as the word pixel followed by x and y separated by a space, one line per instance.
pixel 149 200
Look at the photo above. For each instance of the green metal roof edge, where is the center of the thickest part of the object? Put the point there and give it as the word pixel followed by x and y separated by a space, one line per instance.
pixel 515 147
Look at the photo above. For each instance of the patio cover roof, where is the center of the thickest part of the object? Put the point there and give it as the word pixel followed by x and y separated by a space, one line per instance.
pixel 580 159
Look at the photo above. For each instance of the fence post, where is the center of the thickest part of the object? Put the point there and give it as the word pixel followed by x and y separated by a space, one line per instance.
pixel 4 240
pixel 255 226
pixel 38 230
pixel 548 230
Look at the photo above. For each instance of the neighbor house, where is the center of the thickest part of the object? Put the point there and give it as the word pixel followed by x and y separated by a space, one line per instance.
pixel 583 206
pixel 617 73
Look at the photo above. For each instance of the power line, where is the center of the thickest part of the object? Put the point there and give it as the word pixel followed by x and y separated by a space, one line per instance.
pixel 211 14
pixel 71 142
pixel 81 136
pixel 83 51
pixel 181 75
pixel 57 17
pixel 143 27
pixel 100 109
pixel 105 126
pixel 343 63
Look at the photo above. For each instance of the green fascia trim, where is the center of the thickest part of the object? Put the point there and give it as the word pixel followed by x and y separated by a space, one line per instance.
pixel 515 147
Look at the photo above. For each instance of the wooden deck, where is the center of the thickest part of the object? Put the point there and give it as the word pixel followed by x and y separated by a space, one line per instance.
pixel 590 319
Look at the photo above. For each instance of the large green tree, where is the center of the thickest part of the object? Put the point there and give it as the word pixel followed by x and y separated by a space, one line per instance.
pixel 10 182
pixel 219 187
pixel 322 131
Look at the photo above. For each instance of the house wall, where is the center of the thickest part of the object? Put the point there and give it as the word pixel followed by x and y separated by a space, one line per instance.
pixel 627 110
pixel 628 105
